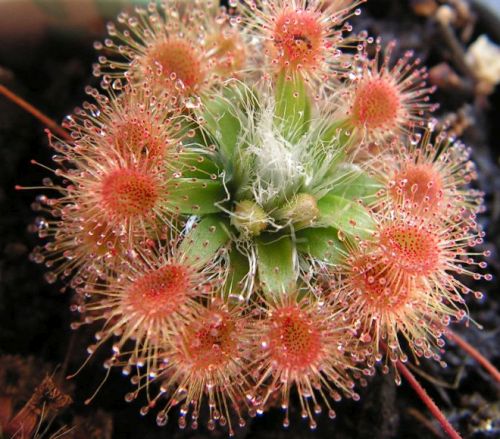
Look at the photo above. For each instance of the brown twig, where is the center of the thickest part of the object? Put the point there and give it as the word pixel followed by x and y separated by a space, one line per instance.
pixel 424 421
pixel 489 20
pixel 435 381
pixel 475 354
pixel 456 50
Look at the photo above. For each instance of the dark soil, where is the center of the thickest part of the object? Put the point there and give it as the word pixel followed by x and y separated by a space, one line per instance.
pixel 51 73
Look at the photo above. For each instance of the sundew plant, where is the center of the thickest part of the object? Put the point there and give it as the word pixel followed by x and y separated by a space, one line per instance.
pixel 255 208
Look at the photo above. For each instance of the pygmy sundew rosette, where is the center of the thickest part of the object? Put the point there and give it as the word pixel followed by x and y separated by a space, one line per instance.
pixel 260 218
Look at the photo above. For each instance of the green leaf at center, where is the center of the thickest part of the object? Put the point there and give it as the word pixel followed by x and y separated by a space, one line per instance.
pixel 293 106
pixel 276 263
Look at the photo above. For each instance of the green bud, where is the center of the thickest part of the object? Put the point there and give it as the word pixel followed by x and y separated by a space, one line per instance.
pixel 302 210
pixel 249 218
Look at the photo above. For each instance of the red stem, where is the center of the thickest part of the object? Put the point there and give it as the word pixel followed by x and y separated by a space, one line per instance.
pixel 474 353
pixel 49 123
pixel 426 399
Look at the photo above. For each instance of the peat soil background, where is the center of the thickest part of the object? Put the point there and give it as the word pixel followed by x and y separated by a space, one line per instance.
pixel 50 70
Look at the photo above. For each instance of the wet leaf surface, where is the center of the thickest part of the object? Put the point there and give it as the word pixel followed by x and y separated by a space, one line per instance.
pixel 51 73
